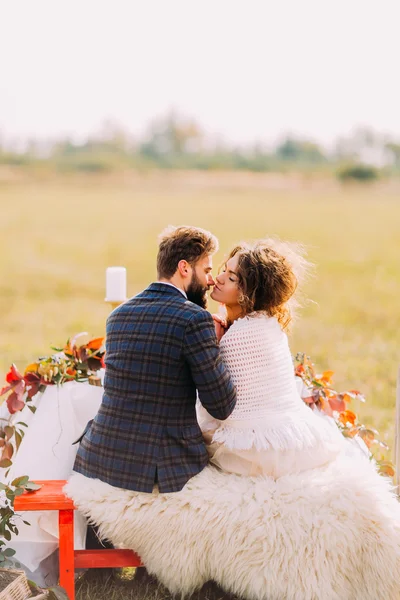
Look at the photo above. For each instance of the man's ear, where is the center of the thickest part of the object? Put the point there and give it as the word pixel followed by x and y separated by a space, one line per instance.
pixel 184 269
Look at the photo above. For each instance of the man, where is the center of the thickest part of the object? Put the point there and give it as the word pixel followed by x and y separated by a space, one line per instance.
pixel 160 347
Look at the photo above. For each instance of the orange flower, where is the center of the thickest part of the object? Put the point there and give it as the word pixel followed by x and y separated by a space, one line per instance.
pixel 347 416
pixel 327 377
pixel 299 370
pixel 95 344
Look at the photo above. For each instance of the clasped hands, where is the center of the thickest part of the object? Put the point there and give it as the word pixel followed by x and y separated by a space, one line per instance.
pixel 220 325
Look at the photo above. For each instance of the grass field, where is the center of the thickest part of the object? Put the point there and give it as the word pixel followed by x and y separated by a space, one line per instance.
pixel 59 235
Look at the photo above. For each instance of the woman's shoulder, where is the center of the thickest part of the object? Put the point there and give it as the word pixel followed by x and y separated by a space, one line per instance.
pixel 256 320
pixel 255 324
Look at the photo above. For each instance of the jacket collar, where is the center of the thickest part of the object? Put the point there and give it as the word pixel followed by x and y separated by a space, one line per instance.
pixel 158 286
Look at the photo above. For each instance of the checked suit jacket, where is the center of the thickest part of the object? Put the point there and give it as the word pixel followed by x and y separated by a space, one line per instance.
pixel 160 349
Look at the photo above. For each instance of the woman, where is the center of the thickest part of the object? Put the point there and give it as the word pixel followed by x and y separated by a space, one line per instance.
pixel 271 431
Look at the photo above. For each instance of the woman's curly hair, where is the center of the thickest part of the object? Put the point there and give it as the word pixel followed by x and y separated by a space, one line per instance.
pixel 269 273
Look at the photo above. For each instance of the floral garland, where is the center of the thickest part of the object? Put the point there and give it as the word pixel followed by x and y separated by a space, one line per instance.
pixel 335 404
pixel 80 362
pixel 74 362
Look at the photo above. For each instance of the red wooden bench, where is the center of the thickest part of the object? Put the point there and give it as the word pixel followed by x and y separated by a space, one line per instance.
pixel 51 497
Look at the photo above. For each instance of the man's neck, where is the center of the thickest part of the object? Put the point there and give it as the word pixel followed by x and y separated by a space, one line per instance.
pixel 173 281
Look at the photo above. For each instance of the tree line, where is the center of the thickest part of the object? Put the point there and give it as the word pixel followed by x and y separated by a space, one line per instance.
pixel 173 142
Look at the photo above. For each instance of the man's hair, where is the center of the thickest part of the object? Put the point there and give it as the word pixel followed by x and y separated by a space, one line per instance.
pixel 183 243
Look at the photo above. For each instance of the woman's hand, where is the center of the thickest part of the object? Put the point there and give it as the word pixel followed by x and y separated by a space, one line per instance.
pixel 220 325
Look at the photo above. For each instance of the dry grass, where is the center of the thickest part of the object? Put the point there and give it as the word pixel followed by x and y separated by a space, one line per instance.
pixel 100 584
pixel 58 236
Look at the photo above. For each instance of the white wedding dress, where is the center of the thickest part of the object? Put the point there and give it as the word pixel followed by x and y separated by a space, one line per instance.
pixel 271 431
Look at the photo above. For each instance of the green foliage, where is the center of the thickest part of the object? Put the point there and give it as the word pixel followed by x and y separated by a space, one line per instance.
pixel 8 517
pixel 394 151
pixel 15 159
pixel 300 151
pixel 86 162
pixel 358 172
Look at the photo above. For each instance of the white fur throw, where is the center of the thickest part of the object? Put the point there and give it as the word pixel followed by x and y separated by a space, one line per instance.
pixel 327 534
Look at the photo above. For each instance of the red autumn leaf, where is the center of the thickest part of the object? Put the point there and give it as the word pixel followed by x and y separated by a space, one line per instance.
pixel 309 400
pixel 9 431
pixel 31 377
pixel 13 374
pixel 5 389
pixel 33 383
pixel 8 451
pixel 337 403
pixel 15 401
pixel 94 363
pixel 14 404
pixel 95 344
pixel 33 390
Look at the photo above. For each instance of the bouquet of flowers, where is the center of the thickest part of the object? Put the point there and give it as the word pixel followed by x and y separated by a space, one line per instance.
pixel 73 362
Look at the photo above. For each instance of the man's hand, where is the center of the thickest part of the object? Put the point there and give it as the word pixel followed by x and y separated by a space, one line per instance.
pixel 220 325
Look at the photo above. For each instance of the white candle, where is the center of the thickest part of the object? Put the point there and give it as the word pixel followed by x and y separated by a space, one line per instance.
pixel 115 284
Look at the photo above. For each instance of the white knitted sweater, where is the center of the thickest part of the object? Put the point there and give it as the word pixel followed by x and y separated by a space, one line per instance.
pixel 269 412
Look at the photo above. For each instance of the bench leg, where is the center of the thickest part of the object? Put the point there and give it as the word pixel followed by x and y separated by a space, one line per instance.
pixel 66 544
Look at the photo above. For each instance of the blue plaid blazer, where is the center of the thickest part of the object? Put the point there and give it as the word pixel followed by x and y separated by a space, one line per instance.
pixel 160 348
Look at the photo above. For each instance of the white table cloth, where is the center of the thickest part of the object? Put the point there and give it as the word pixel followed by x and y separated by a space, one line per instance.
pixel 46 452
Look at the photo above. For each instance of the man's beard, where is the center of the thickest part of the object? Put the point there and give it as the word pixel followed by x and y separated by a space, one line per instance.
pixel 196 292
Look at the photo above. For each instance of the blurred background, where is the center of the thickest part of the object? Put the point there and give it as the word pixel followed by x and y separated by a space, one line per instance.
pixel 246 118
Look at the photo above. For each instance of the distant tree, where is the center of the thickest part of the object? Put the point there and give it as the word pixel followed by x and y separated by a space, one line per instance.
pixel 172 136
pixel 293 150
pixel 358 172
pixel 394 152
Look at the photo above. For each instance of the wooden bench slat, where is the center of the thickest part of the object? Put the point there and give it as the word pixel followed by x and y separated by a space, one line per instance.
pixel 101 559
pixel 49 497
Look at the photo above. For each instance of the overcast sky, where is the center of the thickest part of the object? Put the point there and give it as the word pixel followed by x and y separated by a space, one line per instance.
pixel 248 70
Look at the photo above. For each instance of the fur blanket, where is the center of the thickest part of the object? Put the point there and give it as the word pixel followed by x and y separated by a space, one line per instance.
pixel 327 534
